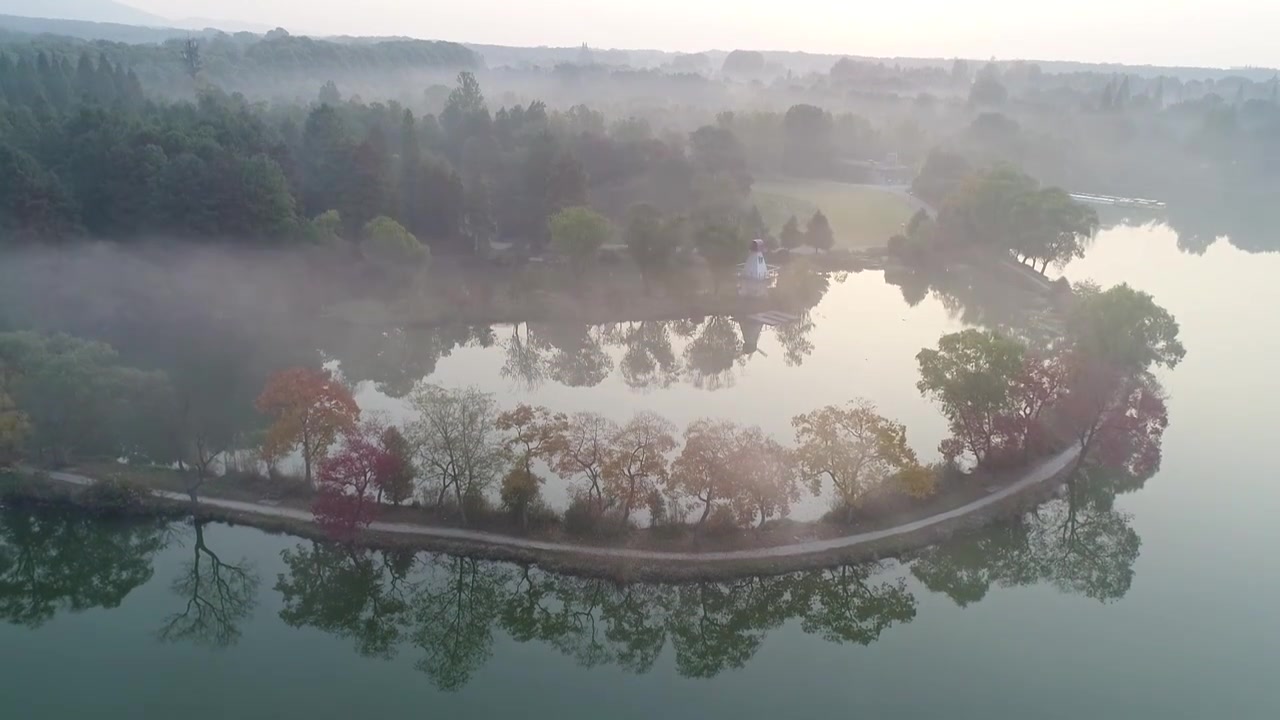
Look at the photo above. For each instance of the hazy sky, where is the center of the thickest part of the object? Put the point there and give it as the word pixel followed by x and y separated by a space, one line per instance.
pixel 1196 32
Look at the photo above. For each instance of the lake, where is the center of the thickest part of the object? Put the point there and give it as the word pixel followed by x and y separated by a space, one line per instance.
pixel 1153 603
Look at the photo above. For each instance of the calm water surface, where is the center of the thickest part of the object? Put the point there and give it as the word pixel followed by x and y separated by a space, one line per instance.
pixel 1161 605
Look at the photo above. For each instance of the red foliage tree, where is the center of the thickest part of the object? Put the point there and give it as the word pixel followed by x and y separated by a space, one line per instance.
pixel 1041 383
pixel 347 498
pixel 1119 418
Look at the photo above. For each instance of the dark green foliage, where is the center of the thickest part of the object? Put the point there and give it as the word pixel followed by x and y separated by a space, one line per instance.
pixel 113 498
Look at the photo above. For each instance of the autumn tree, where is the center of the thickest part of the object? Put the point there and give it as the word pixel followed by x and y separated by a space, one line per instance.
pixel 703 469
pixel 310 408
pixel 584 450
pixel 14 426
pixel 819 234
pixel 1119 420
pixel 457 440
pixel 970 376
pixel 533 434
pixel 396 474
pixel 853 447
pixel 636 460
pixel 1036 388
pixel 765 476
pixel 347 498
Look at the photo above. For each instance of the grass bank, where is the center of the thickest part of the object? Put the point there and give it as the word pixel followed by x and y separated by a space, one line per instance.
pixel 861 215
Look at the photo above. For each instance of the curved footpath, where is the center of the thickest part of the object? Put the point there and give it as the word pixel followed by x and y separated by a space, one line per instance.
pixel 1041 473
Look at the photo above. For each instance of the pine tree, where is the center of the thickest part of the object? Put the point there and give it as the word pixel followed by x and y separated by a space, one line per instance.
pixel 819 234
pixel 791 236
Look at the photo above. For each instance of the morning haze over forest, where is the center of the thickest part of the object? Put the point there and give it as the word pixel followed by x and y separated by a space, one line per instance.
pixel 706 359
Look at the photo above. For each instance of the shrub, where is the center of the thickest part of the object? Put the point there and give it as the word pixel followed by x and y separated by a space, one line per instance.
pixel 114 497
pixel 582 518
pixel 722 521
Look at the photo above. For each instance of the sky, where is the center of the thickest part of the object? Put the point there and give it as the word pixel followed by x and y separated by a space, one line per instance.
pixel 1221 33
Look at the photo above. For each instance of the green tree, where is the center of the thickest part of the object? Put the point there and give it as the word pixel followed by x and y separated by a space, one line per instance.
pixel 970 375
pixel 1124 329
pixel 391 248
pixel 79 399
pixel 649 240
pixel 722 248
pixel 791 236
pixel 396 477
pixel 577 234
pixel 1050 227
pixel 941 174
pixel 33 203
pixel 987 88
pixel 808 139
pixel 819 235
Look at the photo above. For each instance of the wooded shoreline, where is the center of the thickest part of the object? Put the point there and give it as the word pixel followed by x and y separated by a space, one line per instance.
pixel 1037 485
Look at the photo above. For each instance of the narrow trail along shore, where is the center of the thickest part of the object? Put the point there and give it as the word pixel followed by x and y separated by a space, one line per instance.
pixel 1039 473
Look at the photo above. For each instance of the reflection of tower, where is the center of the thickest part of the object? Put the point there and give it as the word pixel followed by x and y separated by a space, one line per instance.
pixel 750 335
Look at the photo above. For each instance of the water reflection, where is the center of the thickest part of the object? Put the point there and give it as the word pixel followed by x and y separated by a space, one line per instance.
pixel 218 597
pixel 1080 544
pixel 446 610
pixel 977 297
pixel 446 613
pixel 54 562
pixel 649 354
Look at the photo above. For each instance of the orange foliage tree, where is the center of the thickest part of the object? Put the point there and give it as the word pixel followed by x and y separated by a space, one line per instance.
pixel 310 408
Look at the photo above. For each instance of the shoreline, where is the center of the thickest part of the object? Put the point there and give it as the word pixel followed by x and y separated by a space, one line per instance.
pixel 1037 485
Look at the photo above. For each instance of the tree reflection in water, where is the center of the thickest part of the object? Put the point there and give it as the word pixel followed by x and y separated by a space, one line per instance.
pixel 53 561
pixel 218 595
pixel 1079 544
pixel 579 355
pixel 447 609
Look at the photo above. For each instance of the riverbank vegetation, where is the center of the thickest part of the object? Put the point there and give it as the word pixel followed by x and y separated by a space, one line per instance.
pixel 463 459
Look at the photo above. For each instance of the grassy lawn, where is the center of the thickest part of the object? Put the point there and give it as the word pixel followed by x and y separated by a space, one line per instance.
pixel 861 216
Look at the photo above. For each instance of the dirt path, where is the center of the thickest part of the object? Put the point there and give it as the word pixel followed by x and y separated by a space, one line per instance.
pixel 1037 474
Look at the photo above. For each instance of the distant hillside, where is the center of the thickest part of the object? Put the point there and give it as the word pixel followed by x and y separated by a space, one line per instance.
pixel 278 65
pixel 103 11
pixel 86 30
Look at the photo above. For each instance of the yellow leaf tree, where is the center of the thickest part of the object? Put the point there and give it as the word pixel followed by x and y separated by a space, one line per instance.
pixel 310 408
pixel 852 446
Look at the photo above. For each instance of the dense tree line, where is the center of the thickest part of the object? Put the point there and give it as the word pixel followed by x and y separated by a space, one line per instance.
pixel 276 64
pixel 85 153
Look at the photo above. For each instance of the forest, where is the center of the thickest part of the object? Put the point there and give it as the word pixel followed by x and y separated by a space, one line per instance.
pixel 122 142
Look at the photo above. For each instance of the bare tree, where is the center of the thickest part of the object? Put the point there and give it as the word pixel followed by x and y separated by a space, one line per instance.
pixel 457 441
